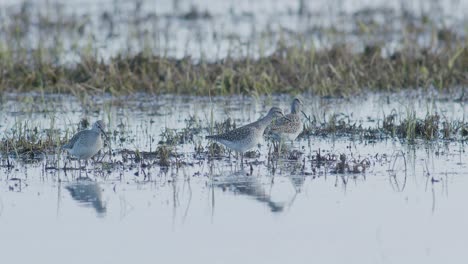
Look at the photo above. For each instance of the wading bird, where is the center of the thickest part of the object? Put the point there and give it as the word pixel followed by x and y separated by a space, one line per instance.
pixel 244 138
pixel 86 143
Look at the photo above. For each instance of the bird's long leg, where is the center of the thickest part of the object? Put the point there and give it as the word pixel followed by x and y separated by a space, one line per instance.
pixel 242 159
pixel 86 167
pixel 94 160
pixel 280 144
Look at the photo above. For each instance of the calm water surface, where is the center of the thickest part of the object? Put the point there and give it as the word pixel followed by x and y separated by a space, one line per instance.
pixel 409 206
pixel 214 30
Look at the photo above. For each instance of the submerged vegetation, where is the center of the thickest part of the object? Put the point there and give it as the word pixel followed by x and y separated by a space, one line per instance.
pixel 135 51
pixel 393 126
pixel 183 146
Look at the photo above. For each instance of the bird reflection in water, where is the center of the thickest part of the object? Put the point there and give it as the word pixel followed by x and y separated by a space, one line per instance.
pixel 249 186
pixel 297 183
pixel 88 193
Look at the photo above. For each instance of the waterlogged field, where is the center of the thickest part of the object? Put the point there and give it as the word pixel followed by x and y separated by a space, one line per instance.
pixel 374 179
pixel 379 174
pixel 337 48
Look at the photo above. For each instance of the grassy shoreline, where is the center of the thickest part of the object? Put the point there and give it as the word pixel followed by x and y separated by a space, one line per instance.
pixel 337 71
pixel 122 50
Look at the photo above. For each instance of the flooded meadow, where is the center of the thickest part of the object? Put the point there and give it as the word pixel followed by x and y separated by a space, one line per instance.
pixel 346 190
pixel 378 173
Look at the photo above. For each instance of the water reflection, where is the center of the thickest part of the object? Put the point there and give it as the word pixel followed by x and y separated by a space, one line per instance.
pixel 297 183
pixel 250 186
pixel 398 171
pixel 88 193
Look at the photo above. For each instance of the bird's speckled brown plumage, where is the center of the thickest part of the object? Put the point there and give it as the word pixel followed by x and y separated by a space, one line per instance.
pixel 248 136
pixel 289 126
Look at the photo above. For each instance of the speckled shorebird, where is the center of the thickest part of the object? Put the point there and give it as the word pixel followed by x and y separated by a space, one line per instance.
pixel 244 138
pixel 289 126
pixel 86 143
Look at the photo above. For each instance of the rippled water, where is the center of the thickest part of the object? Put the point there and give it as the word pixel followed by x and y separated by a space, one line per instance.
pixel 408 206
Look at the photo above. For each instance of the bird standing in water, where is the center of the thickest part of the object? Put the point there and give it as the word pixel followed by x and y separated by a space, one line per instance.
pixel 244 138
pixel 288 127
pixel 86 143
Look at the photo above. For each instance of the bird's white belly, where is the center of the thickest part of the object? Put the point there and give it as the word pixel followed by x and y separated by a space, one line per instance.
pixel 293 136
pixel 87 151
pixel 240 146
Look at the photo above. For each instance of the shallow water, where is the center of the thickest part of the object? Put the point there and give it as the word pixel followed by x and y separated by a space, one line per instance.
pixel 406 207
pixel 232 29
